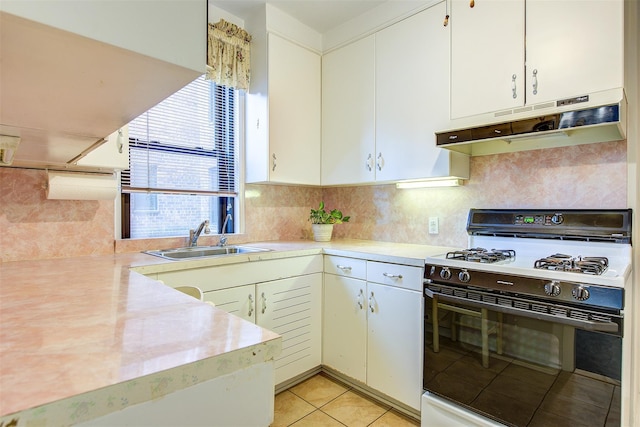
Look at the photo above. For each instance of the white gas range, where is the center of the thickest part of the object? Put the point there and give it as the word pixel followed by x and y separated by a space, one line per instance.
pixel 556 274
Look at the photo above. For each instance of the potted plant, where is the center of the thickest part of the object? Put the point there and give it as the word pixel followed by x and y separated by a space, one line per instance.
pixel 322 222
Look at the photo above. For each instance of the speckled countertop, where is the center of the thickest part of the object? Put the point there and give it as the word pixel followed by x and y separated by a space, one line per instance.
pixel 84 336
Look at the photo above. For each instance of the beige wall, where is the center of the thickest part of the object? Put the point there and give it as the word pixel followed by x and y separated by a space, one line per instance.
pixel 586 176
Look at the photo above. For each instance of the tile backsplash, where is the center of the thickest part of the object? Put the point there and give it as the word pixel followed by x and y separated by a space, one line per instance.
pixel 585 176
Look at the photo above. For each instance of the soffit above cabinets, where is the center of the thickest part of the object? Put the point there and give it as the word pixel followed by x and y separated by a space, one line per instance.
pixel 320 15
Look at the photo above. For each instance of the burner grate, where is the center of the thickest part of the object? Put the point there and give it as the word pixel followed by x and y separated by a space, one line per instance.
pixel 482 255
pixel 562 262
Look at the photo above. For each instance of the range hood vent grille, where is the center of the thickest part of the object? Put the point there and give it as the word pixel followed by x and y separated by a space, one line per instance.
pixel 561 125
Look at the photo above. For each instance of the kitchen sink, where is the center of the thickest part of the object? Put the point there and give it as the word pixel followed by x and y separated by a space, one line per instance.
pixel 204 251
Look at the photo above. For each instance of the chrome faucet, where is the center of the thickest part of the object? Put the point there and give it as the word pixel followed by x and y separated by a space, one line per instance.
pixel 193 235
pixel 223 237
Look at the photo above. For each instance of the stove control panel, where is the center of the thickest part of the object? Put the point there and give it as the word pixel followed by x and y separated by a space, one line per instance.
pixel 525 287
pixel 539 219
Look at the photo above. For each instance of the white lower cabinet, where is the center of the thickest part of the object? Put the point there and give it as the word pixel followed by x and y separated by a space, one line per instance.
pixel 291 307
pixel 373 326
pixel 282 295
pixel 239 301
pixel 344 345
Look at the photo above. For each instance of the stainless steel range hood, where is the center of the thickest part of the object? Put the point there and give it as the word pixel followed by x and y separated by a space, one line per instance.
pixel 598 117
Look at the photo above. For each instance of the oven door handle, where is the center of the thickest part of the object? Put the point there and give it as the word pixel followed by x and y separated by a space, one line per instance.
pixel 588 325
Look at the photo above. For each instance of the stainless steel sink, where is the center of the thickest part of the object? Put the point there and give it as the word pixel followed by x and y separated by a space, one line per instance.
pixel 203 251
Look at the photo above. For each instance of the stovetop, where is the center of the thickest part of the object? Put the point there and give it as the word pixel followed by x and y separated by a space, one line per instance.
pixel 530 251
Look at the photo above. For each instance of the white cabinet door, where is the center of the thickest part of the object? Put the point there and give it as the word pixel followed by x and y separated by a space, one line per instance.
pixel 412 99
pixel 239 301
pixel 394 345
pixel 348 90
pixel 293 308
pixel 573 48
pixel 344 345
pixel 487 56
pixel 292 143
pixel 112 155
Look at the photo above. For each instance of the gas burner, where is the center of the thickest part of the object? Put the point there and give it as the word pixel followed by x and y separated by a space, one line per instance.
pixel 562 262
pixel 482 255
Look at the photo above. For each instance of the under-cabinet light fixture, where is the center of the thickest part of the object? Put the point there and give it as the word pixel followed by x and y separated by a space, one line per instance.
pixel 453 182
pixel 8 147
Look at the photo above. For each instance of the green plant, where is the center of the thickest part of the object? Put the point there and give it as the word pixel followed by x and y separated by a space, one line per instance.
pixel 321 216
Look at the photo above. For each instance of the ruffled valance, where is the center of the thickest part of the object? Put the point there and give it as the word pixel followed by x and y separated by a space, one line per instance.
pixel 228 55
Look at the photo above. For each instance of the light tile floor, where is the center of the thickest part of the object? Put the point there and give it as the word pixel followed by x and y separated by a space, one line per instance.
pixel 320 401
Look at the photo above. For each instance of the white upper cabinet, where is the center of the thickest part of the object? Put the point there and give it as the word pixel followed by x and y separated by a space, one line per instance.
pixel 487 56
pixel 113 154
pixel 283 113
pixel 573 48
pixel 412 98
pixel 72 72
pixel 569 48
pixel 348 116
pixel 384 97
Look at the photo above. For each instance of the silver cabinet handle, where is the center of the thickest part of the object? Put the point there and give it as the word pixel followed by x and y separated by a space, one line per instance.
pixel 380 161
pixel 120 141
pixel 369 163
pixel 360 299
pixel 250 305
pixel 371 305
pixel 344 267
pixel 535 82
pixel 392 276
pixel 513 86
pixel 264 303
pixel 273 162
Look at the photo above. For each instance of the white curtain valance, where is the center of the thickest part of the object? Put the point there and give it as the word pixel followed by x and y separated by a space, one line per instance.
pixel 228 55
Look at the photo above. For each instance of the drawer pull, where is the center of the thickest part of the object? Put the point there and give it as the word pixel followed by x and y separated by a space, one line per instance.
pixel 371 303
pixel 360 299
pixel 392 276
pixel 344 267
pixel 264 303
pixel 250 305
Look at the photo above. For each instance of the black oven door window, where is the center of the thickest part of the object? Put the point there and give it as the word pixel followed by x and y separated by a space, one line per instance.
pixel 521 371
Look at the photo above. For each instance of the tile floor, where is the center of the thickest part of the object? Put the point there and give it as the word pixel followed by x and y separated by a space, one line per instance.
pixel 321 401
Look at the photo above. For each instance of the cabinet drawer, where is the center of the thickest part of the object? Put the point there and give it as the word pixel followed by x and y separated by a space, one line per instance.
pixel 402 276
pixel 341 266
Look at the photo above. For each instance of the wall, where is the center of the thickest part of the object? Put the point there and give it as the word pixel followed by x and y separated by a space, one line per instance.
pixel 585 176
pixel 590 176
pixel 33 227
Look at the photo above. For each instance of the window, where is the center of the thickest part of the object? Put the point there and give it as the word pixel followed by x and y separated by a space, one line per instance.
pixel 183 163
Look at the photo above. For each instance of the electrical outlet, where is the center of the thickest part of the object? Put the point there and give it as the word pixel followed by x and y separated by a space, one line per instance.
pixel 433 225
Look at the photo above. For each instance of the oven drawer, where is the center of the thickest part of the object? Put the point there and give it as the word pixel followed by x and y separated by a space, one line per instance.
pixel 402 276
pixel 342 266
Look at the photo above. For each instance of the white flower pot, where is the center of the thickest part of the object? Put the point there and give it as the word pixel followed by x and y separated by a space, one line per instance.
pixel 322 232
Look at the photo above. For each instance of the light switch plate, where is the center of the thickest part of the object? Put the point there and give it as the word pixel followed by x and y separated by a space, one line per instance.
pixel 433 225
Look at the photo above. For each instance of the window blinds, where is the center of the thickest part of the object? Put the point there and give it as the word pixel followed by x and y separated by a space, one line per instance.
pixel 185 144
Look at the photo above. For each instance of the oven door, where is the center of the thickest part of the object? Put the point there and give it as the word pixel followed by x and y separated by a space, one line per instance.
pixel 485 364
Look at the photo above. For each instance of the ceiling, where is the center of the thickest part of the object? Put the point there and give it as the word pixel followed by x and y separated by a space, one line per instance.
pixel 321 15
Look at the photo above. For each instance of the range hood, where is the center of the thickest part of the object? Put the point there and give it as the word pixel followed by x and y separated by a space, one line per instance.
pixel 591 118
pixel 62 93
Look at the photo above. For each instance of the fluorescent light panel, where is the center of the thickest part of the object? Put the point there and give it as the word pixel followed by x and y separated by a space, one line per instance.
pixel 430 183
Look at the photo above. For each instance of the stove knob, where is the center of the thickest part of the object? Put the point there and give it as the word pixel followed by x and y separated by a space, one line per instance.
pixel 464 276
pixel 432 271
pixel 557 219
pixel 552 289
pixel 580 293
pixel 445 273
